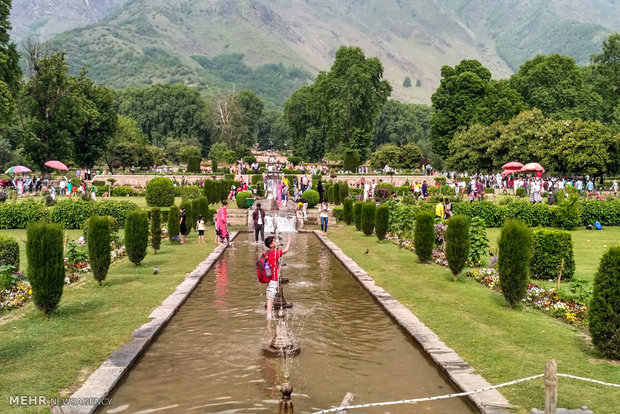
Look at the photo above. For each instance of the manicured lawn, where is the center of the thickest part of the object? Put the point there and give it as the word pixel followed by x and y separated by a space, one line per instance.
pixel 53 355
pixel 501 344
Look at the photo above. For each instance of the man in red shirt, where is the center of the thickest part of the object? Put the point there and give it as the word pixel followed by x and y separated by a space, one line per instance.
pixel 273 256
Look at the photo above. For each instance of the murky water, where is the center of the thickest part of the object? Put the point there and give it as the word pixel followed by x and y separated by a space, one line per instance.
pixel 208 358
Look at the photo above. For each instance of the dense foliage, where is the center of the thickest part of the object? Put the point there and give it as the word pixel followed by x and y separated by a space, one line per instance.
pixel 605 305
pixel 358 207
pixel 312 196
pixel 159 192
pixel 549 248
pixel 136 235
pixel 9 251
pixel 242 199
pixel 174 216
pixel 424 235
pixel 368 217
pixel 46 266
pixel 515 250
pixel 478 241
pixel 382 221
pixel 457 243
pixel 155 228
pixel 99 249
pixel 347 210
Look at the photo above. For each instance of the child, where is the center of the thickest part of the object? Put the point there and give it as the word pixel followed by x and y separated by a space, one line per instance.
pixel 200 226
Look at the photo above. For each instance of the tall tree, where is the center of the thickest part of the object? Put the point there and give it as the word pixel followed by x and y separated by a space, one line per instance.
pixel 607 66
pixel 10 73
pixel 252 110
pixel 401 123
pixel 307 133
pixel 272 131
pixel 468 149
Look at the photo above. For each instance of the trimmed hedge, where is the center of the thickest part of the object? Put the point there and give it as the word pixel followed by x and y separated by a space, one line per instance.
pixel 9 251
pixel 155 228
pixel 336 194
pixel 457 243
pixel 256 178
pixel 344 191
pixel 605 305
pixel 123 191
pixel 159 192
pixel 191 192
pixel 312 196
pixel 358 207
pixel 46 266
pixel 174 215
pixel 368 217
pixel 382 221
pixel 242 199
pixel 513 265
pixel 424 235
pixel 136 235
pixel 338 214
pixel 549 247
pixel 347 210
pixel 72 214
pixel 193 164
pixel 19 215
pixel 99 248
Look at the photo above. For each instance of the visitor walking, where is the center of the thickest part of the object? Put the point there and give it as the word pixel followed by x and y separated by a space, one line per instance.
pixel 258 217
pixel 324 215
pixel 273 258
pixel 200 227
pixel 183 225
pixel 439 210
pixel 221 222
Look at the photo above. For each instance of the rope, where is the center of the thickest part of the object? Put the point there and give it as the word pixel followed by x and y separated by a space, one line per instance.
pixel 460 394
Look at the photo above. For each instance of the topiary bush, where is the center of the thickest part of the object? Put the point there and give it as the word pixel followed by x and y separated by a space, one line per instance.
pixel 351 160
pixel 136 235
pixel 256 178
pixel 424 235
pixel 72 214
pixel 98 243
pixel 383 191
pixel 336 194
pixel 382 221
pixel 358 207
pixel 347 210
pixel 9 251
pixel 155 228
pixel 159 192
pixel 513 265
pixel 344 191
pixel 174 215
pixel 549 247
pixel 19 215
pixel 605 305
pixel 190 192
pixel 242 199
pixel 201 206
pixel 457 244
pixel 116 209
pixel 338 213
pixel 189 214
pixel 193 164
pixel 368 217
pixel 329 193
pixel 478 241
pixel 312 196
pixel 46 266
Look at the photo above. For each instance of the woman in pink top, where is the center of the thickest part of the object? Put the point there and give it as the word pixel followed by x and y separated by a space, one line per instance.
pixel 221 220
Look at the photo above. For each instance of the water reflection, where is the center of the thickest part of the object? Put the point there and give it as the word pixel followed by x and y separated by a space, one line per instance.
pixel 208 358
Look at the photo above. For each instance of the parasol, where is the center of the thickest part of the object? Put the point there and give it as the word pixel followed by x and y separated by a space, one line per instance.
pixel 18 169
pixel 512 166
pixel 532 167
pixel 57 165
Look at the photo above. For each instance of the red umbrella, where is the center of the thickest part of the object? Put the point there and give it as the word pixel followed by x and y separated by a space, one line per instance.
pixel 532 167
pixel 512 166
pixel 57 165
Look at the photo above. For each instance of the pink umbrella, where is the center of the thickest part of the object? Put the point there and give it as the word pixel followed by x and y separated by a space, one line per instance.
pixel 532 167
pixel 512 166
pixel 57 165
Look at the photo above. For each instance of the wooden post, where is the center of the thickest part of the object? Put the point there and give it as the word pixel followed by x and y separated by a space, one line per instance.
pixel 346 401
pixel 551 386
pixel 560 275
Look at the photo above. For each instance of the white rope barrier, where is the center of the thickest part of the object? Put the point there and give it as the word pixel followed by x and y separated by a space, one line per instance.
pixel 460 394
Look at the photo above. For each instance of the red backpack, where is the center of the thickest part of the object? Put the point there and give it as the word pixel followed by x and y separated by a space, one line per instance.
pixel 263 270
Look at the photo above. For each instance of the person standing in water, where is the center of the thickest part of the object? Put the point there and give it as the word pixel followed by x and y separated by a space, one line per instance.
pixel 273 257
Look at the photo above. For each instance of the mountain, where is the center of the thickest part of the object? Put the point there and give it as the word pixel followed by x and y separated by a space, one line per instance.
pixel 278 45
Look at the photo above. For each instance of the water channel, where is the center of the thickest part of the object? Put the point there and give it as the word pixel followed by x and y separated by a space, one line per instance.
pixel 208 358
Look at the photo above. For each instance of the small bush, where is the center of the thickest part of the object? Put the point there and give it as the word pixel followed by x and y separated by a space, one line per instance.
pixel 520 192
pixel 46 266
pixel 242 199
pixel 347 210
pixel 159 192
pixel 336 194
pixel 155 228
pixel 358 207
pixel 312 196
pixel 174 215
pixel 424 235
pixel 478 241
pixel 256 178
pixel 368 217
pixel 441 180
pixel 136 235
pixel 294 160
pixel 329 193
pixel 382 221
pixel 338 214
pixel 99 246
pixel 9 251
pixel 605 305
pixel 19 215
pixel 515 249
pixel 457 243
pixel 549 247
pixel 569 211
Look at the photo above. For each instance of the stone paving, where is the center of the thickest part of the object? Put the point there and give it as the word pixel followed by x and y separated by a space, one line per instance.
pixel 100 383
pixel 459 371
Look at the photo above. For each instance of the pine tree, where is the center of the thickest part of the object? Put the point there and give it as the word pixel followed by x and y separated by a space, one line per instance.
pixel 46 266
pixel 136 235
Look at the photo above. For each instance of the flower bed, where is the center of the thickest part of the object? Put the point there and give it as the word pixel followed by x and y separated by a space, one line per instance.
pixel 15 297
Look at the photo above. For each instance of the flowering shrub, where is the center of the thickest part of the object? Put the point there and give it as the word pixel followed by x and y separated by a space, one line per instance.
pixel 16 297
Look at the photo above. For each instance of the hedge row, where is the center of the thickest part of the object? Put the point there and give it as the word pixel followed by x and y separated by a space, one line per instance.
pixel 71 214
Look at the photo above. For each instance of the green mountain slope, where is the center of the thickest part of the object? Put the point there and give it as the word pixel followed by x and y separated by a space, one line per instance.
pixel 269 44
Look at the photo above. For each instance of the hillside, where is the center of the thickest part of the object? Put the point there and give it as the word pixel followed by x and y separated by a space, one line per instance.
pixel 270 44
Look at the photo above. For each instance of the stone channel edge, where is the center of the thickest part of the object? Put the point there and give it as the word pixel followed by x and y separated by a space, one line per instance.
pixel 100 383
pixel 458 371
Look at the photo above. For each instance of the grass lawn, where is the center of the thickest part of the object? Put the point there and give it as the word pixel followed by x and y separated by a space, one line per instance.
pixel 53 355
pixel 501 344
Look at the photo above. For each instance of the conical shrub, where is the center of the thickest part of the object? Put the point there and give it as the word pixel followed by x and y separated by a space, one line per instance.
pixel 382 221
pixel 155 229
pixel 174 216
pixel 513 263
pixel 605 305
pixel 347 210
pixel 136 235
pixel 457 243
pixel 424 236
pixel 99 249
pixel 46 267
pixel 368 217
pixel 358 207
